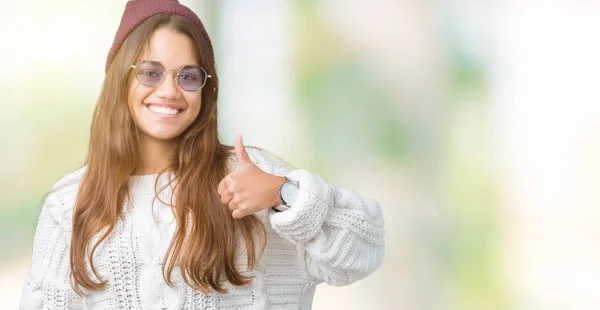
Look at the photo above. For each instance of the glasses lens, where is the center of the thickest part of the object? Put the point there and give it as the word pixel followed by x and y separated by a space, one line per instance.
pixel 150 73
pixel 191 78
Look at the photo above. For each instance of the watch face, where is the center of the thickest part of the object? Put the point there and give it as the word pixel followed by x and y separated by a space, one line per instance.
pixel 289 193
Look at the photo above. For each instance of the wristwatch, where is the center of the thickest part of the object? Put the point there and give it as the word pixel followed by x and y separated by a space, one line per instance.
pixel 288 192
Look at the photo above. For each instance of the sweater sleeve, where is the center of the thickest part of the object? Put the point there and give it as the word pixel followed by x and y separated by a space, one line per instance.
pixel 48 285
pixel 340 234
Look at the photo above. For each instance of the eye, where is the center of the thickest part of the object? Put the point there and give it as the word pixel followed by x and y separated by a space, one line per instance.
pixel 149 73
pixel 187 76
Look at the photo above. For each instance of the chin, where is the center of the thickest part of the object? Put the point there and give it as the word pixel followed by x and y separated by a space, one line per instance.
pixel 162 135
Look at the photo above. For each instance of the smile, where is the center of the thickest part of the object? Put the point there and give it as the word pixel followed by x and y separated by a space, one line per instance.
pixel 163 110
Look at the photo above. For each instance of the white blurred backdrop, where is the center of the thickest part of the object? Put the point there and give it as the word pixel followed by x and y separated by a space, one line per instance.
pixel 476 124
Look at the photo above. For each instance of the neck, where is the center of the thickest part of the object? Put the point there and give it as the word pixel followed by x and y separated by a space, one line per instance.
pixel 155 155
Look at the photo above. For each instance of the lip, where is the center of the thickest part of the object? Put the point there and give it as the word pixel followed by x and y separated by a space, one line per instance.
pixel 166 105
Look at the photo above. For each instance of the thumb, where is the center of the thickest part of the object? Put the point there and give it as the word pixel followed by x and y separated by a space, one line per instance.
pixel 240 151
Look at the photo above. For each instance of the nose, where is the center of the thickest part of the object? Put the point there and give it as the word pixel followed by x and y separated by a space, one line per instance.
pixel 168 89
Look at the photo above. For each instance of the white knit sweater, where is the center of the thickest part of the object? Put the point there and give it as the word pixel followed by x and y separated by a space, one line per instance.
pixel 330 235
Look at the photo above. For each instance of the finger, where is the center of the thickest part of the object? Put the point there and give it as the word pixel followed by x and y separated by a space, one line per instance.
pixel 233 206
pixel 239 213
pixel 226 197
pixel 240 151
pixel 222 187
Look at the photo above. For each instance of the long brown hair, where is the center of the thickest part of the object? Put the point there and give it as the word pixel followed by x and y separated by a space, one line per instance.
pixel 205 244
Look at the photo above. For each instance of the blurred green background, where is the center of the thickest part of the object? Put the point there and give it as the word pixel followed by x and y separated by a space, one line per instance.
pixel 474 123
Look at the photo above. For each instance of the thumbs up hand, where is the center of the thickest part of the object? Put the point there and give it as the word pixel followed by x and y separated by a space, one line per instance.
pixel 248 189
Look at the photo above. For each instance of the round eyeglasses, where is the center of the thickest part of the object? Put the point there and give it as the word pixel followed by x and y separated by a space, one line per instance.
pixel 152 73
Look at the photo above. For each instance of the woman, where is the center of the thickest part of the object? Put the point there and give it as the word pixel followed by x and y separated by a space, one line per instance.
pixel 164 216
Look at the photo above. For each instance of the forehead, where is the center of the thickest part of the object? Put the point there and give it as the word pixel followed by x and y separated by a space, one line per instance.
pixel 171 48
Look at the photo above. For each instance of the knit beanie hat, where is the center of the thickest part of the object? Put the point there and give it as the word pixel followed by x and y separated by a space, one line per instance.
pixel 136 11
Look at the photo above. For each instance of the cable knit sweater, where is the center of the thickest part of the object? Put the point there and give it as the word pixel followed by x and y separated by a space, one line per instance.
pixel 330 235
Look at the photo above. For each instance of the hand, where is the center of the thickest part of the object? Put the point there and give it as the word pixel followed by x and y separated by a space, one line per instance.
pixel 249 189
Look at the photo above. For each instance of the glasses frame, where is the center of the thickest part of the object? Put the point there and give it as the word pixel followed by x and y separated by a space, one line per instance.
pixel 164 73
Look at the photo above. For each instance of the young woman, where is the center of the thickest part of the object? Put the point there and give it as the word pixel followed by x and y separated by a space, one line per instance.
pixel 164 216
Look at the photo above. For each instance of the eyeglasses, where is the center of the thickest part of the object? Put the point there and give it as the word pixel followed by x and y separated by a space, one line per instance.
pixel 152 73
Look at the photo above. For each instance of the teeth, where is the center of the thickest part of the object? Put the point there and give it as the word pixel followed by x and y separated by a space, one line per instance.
pixel 163 110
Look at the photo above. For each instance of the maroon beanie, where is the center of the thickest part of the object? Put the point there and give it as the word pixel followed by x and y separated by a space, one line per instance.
pixel 136 11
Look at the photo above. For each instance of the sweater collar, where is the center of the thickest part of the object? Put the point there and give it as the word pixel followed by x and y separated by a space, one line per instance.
pixel 146 184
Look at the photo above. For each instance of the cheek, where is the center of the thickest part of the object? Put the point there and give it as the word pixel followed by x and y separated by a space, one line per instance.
pixel 195 102
pixel 136 94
